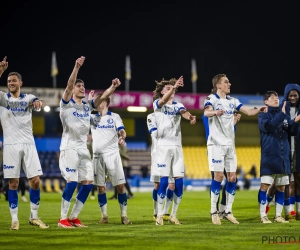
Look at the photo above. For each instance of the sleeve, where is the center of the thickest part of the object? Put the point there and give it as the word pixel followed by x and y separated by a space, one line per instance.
pixel 119 123
pixel 209 101
pixel 155 105
pixel 91 104
pixel 3 99
pixel 237 104
pixel 63 104
pixel 180 107
pixel 32 98
pixel 151 123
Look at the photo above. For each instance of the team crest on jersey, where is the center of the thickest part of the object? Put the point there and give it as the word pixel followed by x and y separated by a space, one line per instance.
pixel 110 121
pixel 86 108
pixel 23 104
pixel 231 105
pixel 176 109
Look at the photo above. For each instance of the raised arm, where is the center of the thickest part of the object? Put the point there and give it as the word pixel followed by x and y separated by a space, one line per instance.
pixel 166 97
pixel 3 65
pixel 115 83
pixel 69 89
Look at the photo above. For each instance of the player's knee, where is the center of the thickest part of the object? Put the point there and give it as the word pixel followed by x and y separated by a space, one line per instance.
pixel 121 188
pixel 13 184
pixel 35 182
pixel 101 189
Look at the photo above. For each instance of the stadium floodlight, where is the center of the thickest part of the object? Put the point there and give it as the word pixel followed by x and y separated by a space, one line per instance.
pixel 136 109
pixel 47 108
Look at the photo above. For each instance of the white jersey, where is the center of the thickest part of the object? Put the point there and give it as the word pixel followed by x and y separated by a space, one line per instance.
pixel 75 120
pixel 105 133
pixel 221 128
pixel 16 118
pixel 168 119
pixel 151 123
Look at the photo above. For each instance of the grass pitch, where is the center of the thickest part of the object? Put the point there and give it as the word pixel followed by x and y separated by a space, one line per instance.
pixel 196 232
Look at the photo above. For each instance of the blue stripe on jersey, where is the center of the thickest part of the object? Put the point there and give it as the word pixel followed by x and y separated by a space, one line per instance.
pixel 93 104
pixel 238 108
pixel 157 104
pixel 34 100
pixel 65 102
pixel 122 127
pixel 208 103
pixel 151 130
pixel 21 95
pixel 206 127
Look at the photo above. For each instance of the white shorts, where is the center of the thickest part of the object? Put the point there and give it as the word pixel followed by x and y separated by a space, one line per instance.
pixel 280 179
pixel 76 165
pixel 169 161
pixel 156 178
pixel 17 155
pixel 108 165
pixel 220 157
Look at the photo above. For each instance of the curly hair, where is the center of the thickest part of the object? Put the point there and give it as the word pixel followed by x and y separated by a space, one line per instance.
pixel 160 85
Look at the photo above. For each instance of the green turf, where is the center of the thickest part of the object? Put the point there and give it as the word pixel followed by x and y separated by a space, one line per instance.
pixel 196 232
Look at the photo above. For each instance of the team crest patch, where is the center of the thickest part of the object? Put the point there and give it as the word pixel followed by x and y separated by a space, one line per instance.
pixel 231 105
pixel 149 120
pixel 86 108
pixel 110 121
pixel 23 104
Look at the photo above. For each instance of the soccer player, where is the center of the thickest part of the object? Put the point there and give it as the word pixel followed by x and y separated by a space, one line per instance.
pixel 291 94
pixel 19 145
pixel 108 133
pixel 152 128
pixel 222 207
pixel 75 159
pixel 275 155
pixel 169 153
pixel 219 107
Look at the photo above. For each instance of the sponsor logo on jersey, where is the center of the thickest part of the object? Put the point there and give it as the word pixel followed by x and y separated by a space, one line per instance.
pixel 105 126
pixel 149 120
pixel 207 98
pixel 86 114
pixel 161 165
pixel 216 161
pixel 70 170
pixel 17 109
pixel 8 167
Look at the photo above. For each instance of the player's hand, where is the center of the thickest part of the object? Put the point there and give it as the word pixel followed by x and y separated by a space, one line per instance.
pixel 121 141
pixel 263 109
pixel 116 83
pixel 79 62
pixel 37 105
pixel 91 95
pixel 3 65
pixel 297 118
pixel 179 83
pixel 220 112
pixel 192 119
pixel 237 117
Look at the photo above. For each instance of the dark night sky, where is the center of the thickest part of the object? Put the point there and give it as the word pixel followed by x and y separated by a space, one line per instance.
pixel 256 45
